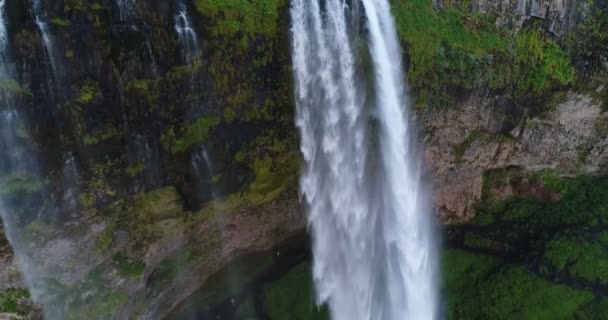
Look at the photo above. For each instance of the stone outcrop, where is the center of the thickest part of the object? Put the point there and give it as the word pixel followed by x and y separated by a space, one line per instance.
pixel 143 238
pixel 465 141
pixel 559 16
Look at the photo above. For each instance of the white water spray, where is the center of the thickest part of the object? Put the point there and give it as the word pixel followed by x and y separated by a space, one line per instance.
pixel 203 171
pixel 16 164
pixel 126 9
pixel 373 246
pixel 48 41
pixel 186 34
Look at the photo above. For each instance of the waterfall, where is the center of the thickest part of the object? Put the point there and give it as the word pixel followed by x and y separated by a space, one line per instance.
pixel 373 246
pixel 18 168
pixel 48 40
pixel 70 180
pixel 203 171
pixel 185 32
pixel 126 9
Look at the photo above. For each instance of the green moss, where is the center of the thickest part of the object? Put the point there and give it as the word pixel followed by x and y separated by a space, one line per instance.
pixel 144 218
pixel 595 310
pixel 127 267
pixel 246 310
pixel 272 177
pixel 292 297
pixel 20 183
pixel 601 127
pixel 135 169
pixel 12 301
pixel 537 253
pixel 103 307
pixel 236 16
pixel 88 92
pixel 12 86
pixel 552 181
pixel 194 133
pixel 230 280
pixel 101 136
pixel 453 48
pixel 62 23
pixel 229 115
pixel 539 63
pixel 172 267
pixel 580 258
pixel 38 229
pixel 462 147
pixel 479 287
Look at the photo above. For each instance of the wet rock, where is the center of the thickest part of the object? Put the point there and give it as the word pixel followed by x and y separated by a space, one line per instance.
pixel 468 140
pixel 559 16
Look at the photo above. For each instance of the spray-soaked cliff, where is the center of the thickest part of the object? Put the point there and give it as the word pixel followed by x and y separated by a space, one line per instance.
pixel 137 114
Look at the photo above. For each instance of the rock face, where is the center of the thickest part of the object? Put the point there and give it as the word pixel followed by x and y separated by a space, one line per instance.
pixel 159 170
pixel 465 142
pixel 559 16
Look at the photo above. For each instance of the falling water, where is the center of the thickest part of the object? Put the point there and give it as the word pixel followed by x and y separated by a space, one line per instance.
pixel 185 32
pixel 70 179
pixel 203 171
pixel 144 159
pixel 16 165
pixel 126 9
pixel 48 40
pixel 373 245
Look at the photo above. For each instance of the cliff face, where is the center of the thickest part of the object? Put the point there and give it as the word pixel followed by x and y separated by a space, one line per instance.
pixel 162 167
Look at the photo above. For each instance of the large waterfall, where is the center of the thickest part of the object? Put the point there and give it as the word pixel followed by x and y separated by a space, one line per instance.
pixel 373 246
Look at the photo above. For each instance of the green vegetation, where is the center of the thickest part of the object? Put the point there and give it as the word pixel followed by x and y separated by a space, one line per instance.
pixel 12 86
pixel 15 300
pixel 537 252
pixel 292 297
pixel 579 257
pixel 482 287
pixel 539 62
pixel 127 267
pixel 102 307
pixel 135 169
pixel 145 217
pixel 246 16
pixel 18 183
pixel 101 136
pixel 194 133
pixel 62 23
pixel 462 147
pixel 175 265
pixel 88 92
pixel 454 48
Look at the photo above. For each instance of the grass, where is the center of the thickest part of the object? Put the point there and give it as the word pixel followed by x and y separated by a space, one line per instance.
pixel 481 287
pixel 11 301
pixel 454 47
pixel 18 183
pixel 193 134
pixel 292 297
pixel 580 257
pixel 251 17
pixel 128 268
pixel 541 251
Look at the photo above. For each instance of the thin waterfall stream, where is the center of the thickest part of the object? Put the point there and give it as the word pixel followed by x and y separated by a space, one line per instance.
pixel 374 251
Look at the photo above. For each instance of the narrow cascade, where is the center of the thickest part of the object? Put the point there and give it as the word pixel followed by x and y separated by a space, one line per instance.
pixel 70 180
pixel 18 167
pixel 203 171
pixel 144 158
pixel 127 12
pixel 48 40
pixel 126 9
pixel 374 250
pixel 185 32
